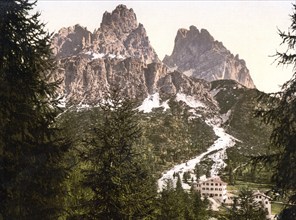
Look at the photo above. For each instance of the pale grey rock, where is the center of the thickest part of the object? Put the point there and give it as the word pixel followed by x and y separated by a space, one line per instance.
pixel 197 54
pixel 119 35
pixel 71 41
pixel 86 81
pixel 121 20
pixel 176 82
pixel 119 54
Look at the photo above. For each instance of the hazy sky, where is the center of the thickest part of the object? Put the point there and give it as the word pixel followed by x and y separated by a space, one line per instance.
pixel 247 28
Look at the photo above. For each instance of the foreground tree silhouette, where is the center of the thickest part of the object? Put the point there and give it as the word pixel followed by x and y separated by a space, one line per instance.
pixel 245 207
pixel 30 153
pixel 279 110
pixel 176 203
pixel 122 185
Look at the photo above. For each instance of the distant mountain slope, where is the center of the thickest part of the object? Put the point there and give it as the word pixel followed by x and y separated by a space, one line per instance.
pixel 196 53
pixel 119 52
pixel 237 105
pixel 185 108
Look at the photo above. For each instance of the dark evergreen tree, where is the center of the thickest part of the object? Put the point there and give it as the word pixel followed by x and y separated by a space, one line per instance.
pixel 76 126
pixel 179 204
pixel 123 187
pixel 169 202
pixel 199 207
pixel 279 110
pixel 197 171
pixel 231 174
pixel 208 173
pixel 246 208
pixel 186 176
pixel 179 187
pixel 30 150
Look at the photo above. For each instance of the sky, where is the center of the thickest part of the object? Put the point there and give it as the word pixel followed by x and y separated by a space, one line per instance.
pixel 247 28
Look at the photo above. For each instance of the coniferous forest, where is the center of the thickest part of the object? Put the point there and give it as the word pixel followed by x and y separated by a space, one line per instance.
pixel 104 162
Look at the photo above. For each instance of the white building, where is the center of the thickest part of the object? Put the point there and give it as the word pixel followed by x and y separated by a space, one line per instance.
pixel 258 197
pixel 213 187
pixel 264 200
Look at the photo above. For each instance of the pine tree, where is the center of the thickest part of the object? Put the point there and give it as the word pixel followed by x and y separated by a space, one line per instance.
pixel 30 150
pixel 279 110
pixel 169 202
pixel 197 171
pixel 181 205
pixel 199 207
pixel 179 187
pixel 123 187
pixel 231 174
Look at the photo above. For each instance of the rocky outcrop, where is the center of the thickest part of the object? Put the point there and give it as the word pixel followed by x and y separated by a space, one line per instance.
pixel 119 35
pixel 196 53
pixel 71 41
pixel 86 80
pixel 119 53
pixel 176 82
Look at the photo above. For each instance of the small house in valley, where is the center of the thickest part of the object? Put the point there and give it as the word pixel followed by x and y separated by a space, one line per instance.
pixel 264 201
pixel 213 187
pixel 216 189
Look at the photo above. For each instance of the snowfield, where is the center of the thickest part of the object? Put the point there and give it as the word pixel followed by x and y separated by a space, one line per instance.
pixel 189 73
pixel 216 152
pixel 223 142
pixel 153 101
pixel 95 55
pixel 189 100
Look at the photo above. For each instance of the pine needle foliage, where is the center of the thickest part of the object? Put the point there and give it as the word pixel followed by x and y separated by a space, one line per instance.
pixel 279 110
pixel 122 185
pixel 30 150
pixel 246 208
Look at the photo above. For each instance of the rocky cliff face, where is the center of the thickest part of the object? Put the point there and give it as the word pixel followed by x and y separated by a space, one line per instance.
pixel 85 81
pixel 119 36
pixel 119 53
pixel 196 53
pixel 71 41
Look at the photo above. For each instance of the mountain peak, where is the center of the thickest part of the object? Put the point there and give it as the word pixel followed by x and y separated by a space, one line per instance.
pixel 121 17
pixel 196 53
pixel 119 35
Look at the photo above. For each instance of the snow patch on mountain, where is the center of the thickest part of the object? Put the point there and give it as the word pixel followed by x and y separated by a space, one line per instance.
pixel 225 117
pixel 153 101
pixel 95 56
pixel 188 72
pixel 112 56
pixel 221 144
pixel 189 100
pixel 214 92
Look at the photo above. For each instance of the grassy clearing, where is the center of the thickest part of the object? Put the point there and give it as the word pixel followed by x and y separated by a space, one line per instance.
pixel 253 186
pixel 276 208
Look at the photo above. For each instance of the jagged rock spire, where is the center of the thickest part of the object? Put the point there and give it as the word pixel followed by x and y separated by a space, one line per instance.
pixel 198 54
pixel 119 35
